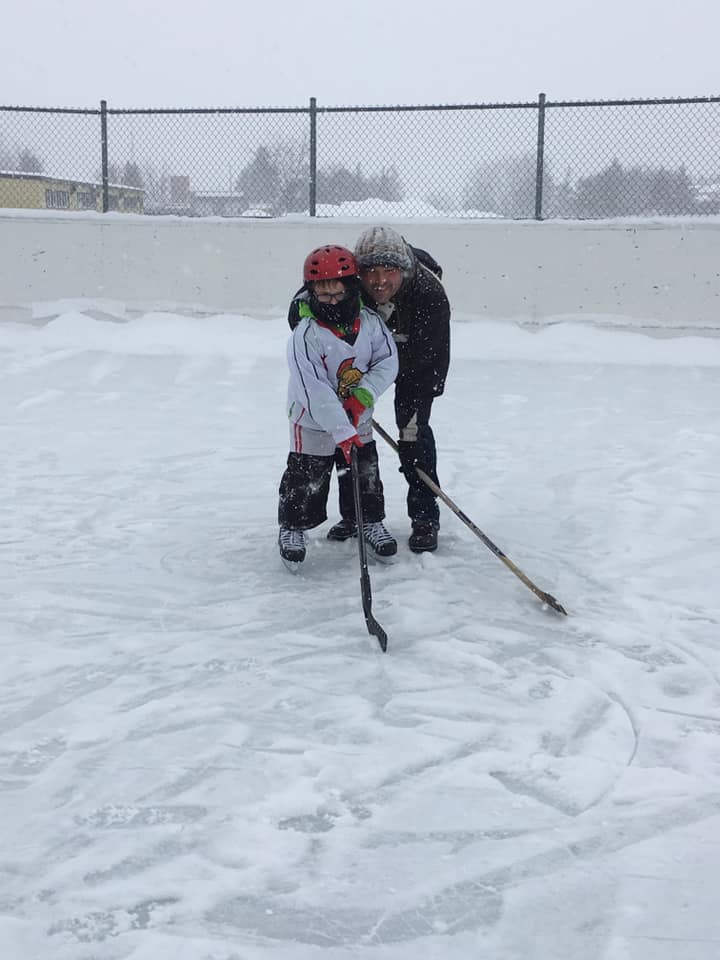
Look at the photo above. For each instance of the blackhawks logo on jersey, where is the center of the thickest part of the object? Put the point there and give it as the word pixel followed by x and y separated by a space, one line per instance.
pixel 348 377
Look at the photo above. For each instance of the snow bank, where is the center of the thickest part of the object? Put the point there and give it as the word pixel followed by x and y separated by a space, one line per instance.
pixel 68 328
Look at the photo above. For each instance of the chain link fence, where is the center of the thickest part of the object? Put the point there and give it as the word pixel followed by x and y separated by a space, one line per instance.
pixel 540 159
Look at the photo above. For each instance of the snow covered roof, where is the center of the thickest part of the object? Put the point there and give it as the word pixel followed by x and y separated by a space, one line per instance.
pixel 24 175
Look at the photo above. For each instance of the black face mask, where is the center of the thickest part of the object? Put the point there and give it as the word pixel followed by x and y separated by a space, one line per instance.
pixel 341 315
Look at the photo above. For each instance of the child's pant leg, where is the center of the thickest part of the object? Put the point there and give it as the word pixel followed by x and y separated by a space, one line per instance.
pixel 372 495
pixel 304 491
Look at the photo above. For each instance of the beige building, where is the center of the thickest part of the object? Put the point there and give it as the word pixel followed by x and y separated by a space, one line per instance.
pixel 37 191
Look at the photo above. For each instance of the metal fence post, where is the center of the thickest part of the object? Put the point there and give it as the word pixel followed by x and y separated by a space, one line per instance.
pixel 313 156
pixel 104 149
pixel 540 158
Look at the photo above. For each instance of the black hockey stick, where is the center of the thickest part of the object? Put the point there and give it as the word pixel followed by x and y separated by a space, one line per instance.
pixel 545 597
pixel 373 626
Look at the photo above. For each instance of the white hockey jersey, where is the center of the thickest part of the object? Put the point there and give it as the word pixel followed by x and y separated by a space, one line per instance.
pixel 324 368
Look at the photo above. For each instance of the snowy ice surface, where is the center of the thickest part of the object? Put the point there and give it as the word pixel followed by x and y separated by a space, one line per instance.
pixel 205 758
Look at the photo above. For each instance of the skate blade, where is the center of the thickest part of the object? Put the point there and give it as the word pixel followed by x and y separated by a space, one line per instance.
pixel 378 558
pixel 293 566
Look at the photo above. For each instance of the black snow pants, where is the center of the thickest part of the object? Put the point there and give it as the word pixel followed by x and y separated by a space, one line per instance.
pixel 416 447
pixel 305 485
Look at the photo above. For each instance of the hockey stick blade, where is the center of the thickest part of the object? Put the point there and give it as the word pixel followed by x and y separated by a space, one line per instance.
pixel 373 626
pixel 550 600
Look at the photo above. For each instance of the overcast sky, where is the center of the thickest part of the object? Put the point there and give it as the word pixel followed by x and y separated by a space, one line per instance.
pixel 248 53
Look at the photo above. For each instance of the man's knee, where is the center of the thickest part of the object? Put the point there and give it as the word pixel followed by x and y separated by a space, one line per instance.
pixel 409 433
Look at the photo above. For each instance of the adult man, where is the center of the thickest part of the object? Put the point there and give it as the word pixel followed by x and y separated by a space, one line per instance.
pixel 412 301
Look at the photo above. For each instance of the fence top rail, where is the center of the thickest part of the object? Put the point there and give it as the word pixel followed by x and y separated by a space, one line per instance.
pixel 78 110
pixel 409 108
pixel 205 110
pixel 636 102
pixel 388 108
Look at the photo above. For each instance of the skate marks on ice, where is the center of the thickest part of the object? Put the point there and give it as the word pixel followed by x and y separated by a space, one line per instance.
pixel 471 702
pixel 102 925
pixel 197 742
pixel 18 768
pixel 469 905
pixel 409 794
pixel 367 822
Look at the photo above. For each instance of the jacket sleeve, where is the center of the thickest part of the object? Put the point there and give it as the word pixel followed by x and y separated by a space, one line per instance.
pixel 307 369
pixel 440 338
pixel 383 367
pixel 425 375
pixel 294 310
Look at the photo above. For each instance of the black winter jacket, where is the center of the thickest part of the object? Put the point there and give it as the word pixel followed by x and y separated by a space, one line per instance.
pixel 420 325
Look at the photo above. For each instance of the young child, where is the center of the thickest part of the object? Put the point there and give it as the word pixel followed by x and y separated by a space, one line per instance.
pixel 341 358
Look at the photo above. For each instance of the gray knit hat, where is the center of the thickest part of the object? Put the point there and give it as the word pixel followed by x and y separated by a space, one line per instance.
pixel 383 247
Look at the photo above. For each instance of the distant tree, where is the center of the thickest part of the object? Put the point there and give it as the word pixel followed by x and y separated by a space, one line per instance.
pixel 259 181
pixel 521 185
pixel 707 194
pixel 7 159
pixel 276 178
pixel 113 172
pixel 603 194
pixel 507 186
pixel 337 184
pixel 635 191
pixel 362 188
pixel 29 162
pixel 156 185
pixel 131 175
pixel 386 185
pixel 671 193
pixel 563 201
pixel 292 162
pixel 483 190
pixel 442 200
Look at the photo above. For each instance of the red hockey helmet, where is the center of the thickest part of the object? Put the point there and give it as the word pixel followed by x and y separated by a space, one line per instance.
pixel 329 263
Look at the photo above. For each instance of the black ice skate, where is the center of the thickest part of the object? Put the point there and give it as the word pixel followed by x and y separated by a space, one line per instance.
pixel 292 548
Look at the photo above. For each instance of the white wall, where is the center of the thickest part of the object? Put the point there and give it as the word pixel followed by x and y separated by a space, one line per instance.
pixel 665 272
